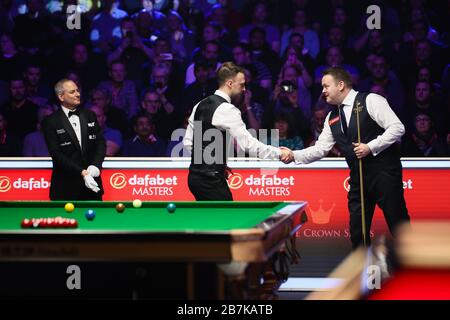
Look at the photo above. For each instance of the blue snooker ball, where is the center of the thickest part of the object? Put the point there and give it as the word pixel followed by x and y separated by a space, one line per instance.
pixel 171 207
pixel 90 214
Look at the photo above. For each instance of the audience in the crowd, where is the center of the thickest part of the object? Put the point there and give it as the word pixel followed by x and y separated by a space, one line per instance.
pixel 21 114
pixel 113 137
pixel 287 137
pixel 423 140
pixel 202 87
pixel 115 118
pixel 319 114
pixel 382 74
pixel 425 102
pixel 311 39
pixel 9 143
pixel 122 91
pixel 105 29
pixel 142 66
pixel 252 111
pixel 161 112
pixel 295 71
pixel 34 143
pixel 209 53
pixel 145 143
pixel 12 60
pixel 285 100
pixel 37 92
pixel 131 51
pixel 242 57
pixel 259 20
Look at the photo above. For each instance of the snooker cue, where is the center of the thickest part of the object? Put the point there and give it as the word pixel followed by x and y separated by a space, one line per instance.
pixel 361 185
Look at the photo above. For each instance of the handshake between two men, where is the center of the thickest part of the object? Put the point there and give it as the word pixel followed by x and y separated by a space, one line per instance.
pixel 286 155
pixel 361 150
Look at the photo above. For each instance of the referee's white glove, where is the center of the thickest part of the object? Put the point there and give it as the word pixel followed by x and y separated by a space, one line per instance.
pixel 93 171
pixel 90 183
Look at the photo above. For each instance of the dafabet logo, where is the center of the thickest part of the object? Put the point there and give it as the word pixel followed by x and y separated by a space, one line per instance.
pixel 118 180
pixel 262 185
pixel 22 184
pixel 5 184
pixel 235 181
pixel 144 185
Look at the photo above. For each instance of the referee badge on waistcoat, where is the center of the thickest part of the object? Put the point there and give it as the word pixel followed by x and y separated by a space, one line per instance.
pixel 333 121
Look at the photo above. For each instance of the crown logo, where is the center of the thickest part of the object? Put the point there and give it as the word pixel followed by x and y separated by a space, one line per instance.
pixel 321 216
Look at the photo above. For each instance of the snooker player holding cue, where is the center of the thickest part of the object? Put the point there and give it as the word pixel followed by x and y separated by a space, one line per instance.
pixel 211 120
pixel 366 130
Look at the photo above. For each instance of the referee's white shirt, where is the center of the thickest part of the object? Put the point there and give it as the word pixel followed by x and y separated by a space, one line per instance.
pixel 74 122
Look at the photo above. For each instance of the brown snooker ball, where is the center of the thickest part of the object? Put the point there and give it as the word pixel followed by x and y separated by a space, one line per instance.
pixel 120 207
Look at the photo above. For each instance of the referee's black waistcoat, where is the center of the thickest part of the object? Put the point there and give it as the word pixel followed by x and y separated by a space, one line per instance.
pixel 369 130
pixel 210 154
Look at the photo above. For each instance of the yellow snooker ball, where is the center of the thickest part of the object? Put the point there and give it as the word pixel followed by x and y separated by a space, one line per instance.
pixel 69 207
pixel 137 203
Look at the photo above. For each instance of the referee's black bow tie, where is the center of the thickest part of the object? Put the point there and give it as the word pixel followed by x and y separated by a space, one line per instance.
pixel 75 112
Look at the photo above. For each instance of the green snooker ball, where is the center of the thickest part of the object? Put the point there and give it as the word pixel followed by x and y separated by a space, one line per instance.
pixel 171 207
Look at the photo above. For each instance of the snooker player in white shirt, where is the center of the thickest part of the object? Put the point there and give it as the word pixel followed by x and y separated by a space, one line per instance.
pixel 210 121
pixel 377 153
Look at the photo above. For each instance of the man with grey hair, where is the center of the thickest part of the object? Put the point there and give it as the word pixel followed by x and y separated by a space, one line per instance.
pixel 77 147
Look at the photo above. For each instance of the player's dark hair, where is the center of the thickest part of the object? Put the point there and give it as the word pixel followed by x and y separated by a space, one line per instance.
pixel 339 74
pixel 228 71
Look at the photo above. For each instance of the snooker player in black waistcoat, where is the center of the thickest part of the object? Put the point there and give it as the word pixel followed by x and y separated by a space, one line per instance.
pixel 380 131
pixel 77 147
pixel 210 121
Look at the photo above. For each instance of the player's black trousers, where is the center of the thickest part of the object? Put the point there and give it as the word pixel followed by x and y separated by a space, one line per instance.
pixel 209 186
pixel 382 187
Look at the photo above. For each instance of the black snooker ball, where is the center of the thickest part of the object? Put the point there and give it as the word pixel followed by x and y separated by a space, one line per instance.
pixel 120 207
pixel 171 207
